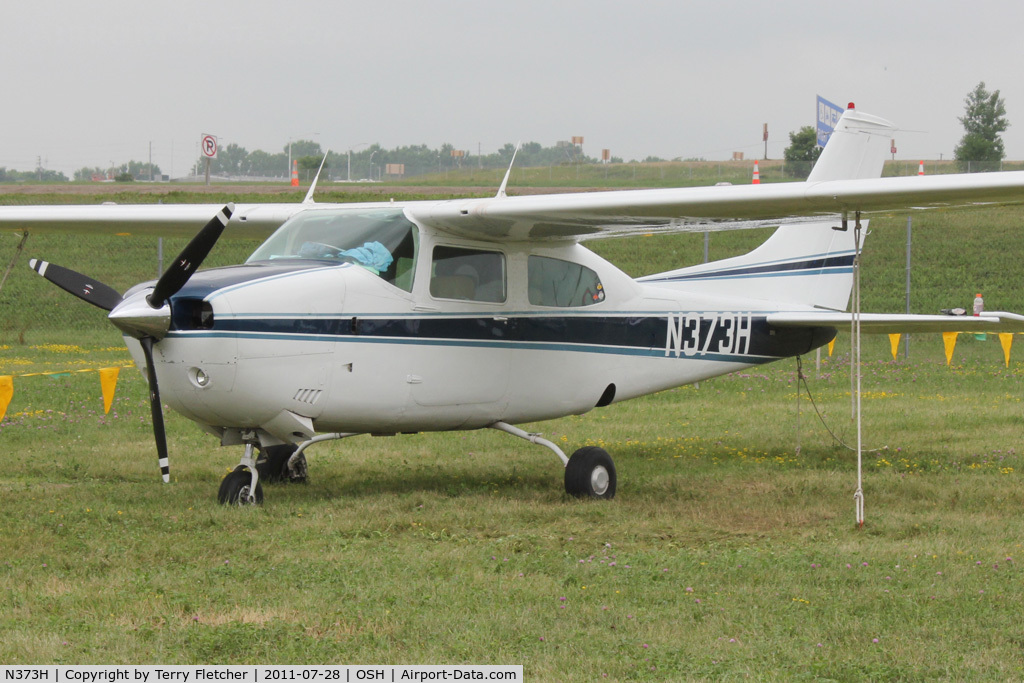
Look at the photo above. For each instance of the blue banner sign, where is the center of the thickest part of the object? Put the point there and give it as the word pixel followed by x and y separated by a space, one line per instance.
pixel 828 117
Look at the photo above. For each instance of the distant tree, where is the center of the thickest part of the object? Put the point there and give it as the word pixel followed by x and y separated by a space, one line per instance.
pixel 262 163
pixel 231 160
pixel 86 173
pixel 308 166
pixel 304 148
pixel 38 175
pixel 802 152
pixel 139 170
pixel 981 148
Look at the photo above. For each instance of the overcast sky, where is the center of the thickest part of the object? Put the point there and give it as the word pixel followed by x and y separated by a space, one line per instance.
pixel 90 83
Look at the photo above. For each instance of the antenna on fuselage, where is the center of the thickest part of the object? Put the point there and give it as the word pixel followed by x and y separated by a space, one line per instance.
pixel 504 183
pixel 312 188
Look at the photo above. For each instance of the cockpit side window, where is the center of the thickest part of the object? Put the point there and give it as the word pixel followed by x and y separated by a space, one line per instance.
pixel 468 274
pixel 383 242
pixel 554 282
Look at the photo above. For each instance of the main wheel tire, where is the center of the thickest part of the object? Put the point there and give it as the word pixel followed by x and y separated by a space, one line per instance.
pixel 590 473
pixel 234 489
pixel 272 463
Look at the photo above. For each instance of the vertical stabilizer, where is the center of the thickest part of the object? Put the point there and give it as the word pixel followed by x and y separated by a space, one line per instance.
pixel 857 148
pixel 809 263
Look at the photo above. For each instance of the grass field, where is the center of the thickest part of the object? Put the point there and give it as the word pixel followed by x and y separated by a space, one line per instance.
pixel 730 550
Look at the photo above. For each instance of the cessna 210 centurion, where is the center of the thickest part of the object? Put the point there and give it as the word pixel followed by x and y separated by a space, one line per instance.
pixel 392 318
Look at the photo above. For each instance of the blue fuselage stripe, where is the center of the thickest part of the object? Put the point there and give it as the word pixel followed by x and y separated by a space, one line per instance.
pixel 817 266
pixel 725 336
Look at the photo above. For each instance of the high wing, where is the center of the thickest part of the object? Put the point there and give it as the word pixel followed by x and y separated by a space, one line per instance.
pixel 882 323
pixel 710 208
pixel 165 220
pixel 567 216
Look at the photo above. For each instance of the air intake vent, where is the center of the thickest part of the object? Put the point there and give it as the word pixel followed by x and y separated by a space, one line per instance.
pixel 308 396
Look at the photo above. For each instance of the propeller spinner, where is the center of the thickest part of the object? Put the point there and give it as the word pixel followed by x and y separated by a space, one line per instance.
pixel 147 315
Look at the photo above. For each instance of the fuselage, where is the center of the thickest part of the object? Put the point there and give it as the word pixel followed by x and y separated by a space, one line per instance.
pixel 449 334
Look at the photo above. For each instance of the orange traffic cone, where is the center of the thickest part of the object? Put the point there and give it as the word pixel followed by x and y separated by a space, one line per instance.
pixel 757 174
pixel 920 168
pixel 295 173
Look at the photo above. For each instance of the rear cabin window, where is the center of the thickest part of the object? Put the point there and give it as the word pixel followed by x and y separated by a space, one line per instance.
pixel 468 274
pixel 554 282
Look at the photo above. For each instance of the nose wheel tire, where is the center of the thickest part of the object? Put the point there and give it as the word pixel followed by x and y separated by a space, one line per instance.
pixel 590 473
pixel 236 489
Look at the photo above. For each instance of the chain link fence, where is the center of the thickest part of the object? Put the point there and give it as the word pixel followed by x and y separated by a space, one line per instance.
pixel 33 311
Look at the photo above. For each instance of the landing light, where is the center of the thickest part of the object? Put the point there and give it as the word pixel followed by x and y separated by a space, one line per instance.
pixel 199 377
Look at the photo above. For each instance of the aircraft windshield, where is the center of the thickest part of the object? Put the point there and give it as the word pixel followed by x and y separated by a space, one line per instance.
pixel 383 241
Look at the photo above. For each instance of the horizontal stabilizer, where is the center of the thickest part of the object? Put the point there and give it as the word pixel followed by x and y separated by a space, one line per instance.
pixel 883 323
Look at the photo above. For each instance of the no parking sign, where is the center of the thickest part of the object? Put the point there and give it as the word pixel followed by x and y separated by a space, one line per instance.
pixel 209 146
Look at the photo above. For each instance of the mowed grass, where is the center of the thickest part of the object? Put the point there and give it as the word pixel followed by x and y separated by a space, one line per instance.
pixel 726 552
pixel 729 551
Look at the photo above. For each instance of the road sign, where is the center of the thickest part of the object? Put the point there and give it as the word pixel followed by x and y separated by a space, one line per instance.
pixel 209 146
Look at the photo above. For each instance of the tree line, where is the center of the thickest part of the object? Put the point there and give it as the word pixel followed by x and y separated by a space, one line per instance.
pixel 981 148
pixel 372 162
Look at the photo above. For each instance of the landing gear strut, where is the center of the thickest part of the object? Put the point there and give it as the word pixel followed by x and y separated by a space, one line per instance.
pixel 589 473
pixel 242 486
pixel 273 464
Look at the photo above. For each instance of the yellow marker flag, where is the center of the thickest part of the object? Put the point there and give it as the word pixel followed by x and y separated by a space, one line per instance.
pixel 894 342
pixel 108 381
pixel 1006 339
pixel 949 340
pixel 831 346
pixel 6 393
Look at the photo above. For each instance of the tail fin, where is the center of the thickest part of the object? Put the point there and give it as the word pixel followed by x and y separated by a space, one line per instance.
pixel 810 263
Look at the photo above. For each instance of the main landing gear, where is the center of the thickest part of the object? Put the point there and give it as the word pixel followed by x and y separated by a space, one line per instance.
pixel 589 472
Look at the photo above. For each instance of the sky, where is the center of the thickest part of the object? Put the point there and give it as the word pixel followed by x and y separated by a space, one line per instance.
pixel 91 84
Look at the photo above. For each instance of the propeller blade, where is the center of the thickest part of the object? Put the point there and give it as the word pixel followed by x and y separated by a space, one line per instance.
pixel 157 410
pixel 82 286
pixel 190 258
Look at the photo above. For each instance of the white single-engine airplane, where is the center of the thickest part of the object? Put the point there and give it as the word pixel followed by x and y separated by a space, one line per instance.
pixel 396 317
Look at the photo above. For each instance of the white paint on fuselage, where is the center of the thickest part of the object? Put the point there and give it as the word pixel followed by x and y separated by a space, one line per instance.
pixel 359 382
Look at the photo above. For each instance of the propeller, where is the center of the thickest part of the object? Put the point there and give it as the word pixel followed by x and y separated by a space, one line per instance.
pixel 82 286
pixel 157 410
pixel 190 258
pixel 145 317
